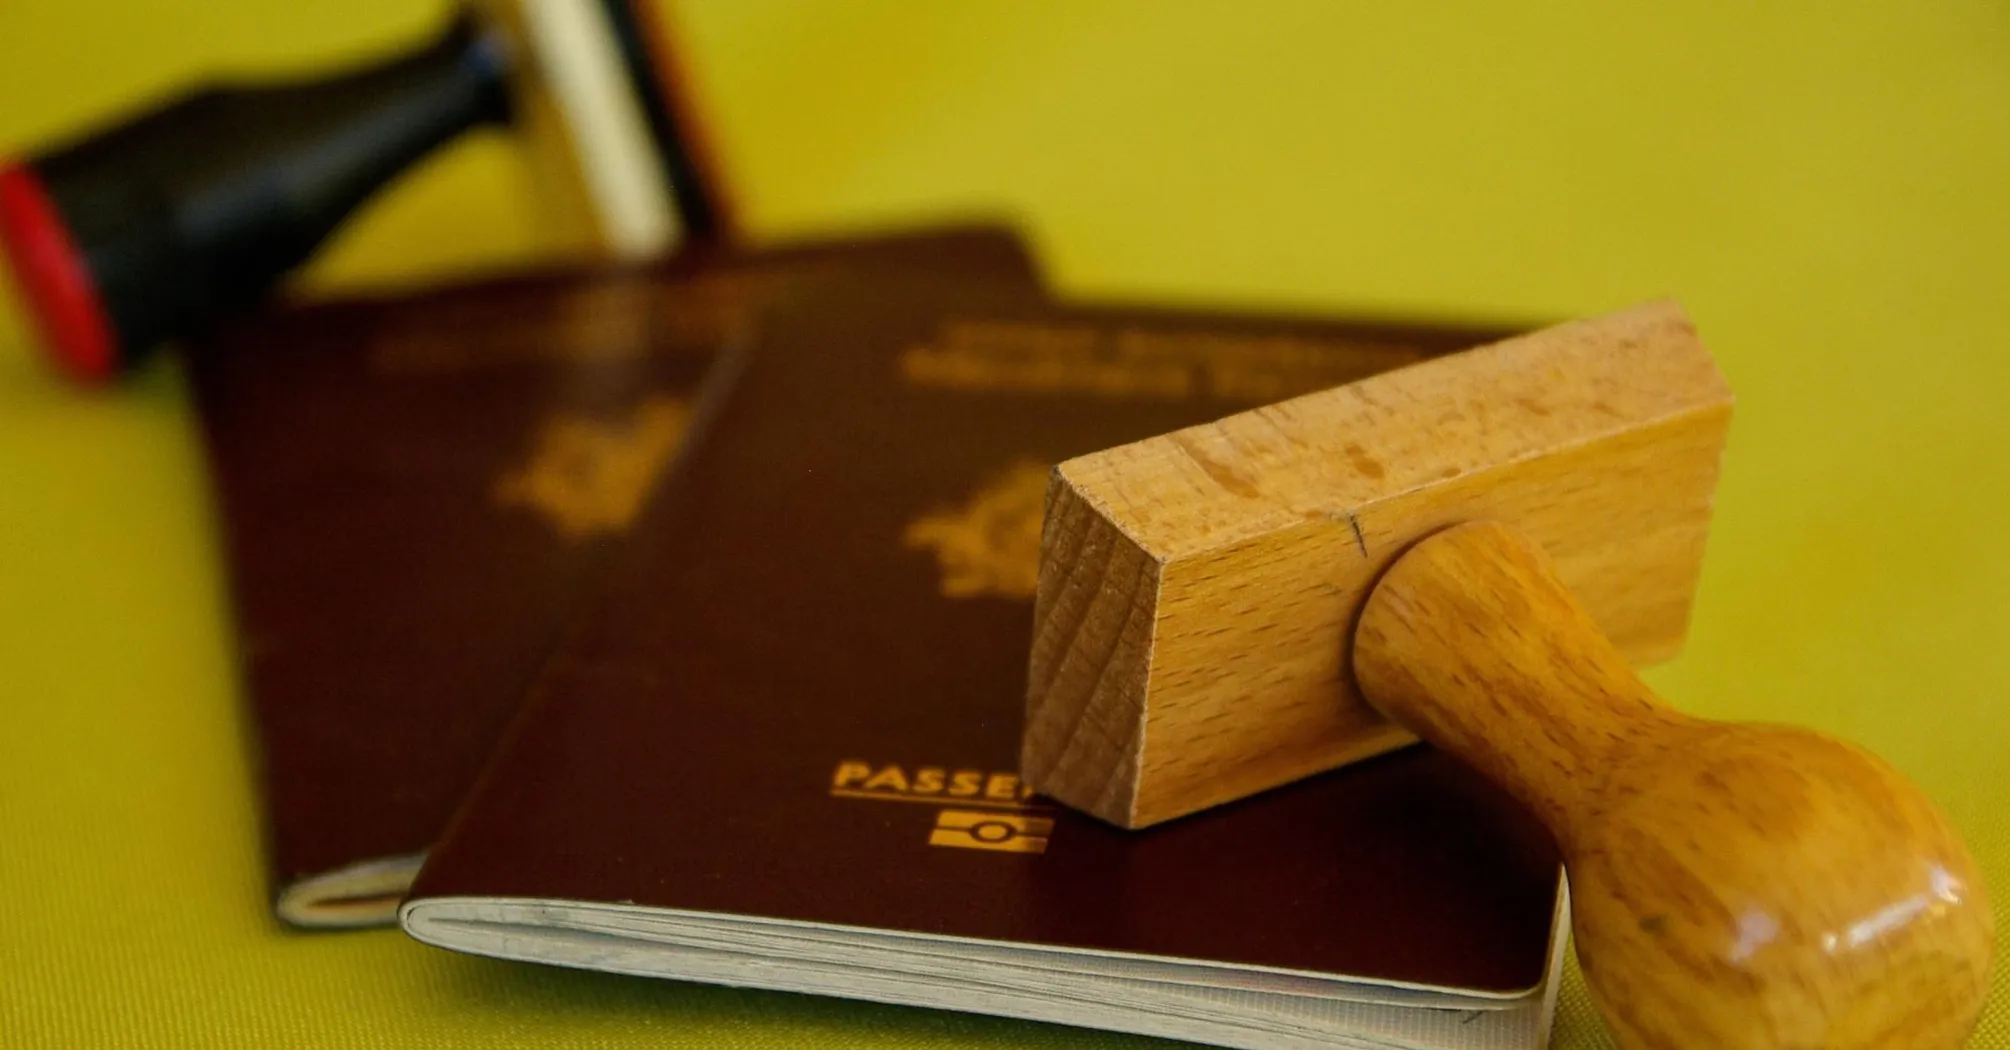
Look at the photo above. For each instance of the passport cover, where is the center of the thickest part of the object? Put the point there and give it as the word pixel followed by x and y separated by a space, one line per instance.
pixel 416 493
pixel 780 749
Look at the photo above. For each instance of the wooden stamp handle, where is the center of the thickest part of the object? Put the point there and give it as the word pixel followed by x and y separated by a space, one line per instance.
pixel 1734 886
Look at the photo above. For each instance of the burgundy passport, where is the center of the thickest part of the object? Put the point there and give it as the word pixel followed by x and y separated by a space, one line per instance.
pixel 779 749
pixel 416 494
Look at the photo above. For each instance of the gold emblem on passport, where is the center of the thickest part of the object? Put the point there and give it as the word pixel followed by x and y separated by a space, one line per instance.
pixel 991 544
pixel 588 476
pixel 978 829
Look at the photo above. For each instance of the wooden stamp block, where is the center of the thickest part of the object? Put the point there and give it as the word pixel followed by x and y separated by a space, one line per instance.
pixel 1198 591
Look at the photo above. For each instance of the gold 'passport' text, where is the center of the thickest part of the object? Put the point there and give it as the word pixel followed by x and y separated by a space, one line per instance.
pixel 893 781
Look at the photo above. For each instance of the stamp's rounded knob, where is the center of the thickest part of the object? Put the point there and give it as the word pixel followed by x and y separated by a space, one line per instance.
pixel 1734 886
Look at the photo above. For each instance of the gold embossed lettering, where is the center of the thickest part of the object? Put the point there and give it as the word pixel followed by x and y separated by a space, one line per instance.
pixel 891 778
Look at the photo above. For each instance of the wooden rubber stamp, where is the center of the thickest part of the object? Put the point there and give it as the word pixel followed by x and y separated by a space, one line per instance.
pixel 1474 551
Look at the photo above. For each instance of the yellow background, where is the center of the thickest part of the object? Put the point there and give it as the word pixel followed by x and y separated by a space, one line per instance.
pixel 1825 185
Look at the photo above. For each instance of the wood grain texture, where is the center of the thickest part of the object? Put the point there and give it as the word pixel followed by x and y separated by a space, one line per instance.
pixel 1196 589
pixel 1744 887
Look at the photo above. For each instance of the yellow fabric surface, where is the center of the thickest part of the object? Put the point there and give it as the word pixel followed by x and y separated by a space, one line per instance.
pixel 1826 186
